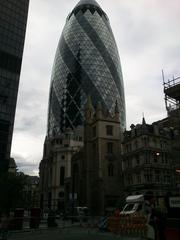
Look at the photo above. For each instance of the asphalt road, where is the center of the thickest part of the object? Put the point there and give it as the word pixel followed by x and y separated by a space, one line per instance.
pixel 68 234
pixel 67 231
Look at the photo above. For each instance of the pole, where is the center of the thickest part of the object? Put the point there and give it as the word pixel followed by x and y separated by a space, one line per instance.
pixel 73 186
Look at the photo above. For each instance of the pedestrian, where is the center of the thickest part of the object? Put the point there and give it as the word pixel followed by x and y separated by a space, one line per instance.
pixel 153 222
pixel 161 225
pixel 117 212
pixel 103 224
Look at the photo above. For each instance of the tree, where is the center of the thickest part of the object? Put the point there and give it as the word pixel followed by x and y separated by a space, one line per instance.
pixel 11 191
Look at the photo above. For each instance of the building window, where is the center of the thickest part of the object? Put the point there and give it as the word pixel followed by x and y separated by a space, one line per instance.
pixel 109 130
pixel 155 142
pixel 110 170
pixel 147 158
pixel 50 177
pixel 49 200
pixel 162 157
pixel 129 180
pixel 94 131
pixel 129 147
pixel 136 144
pixel 62 174
pixel 109 147
pixel 126 148
pixel 157 176
pixel 156 156
pixel 167 177
pixel 148 177
pixel 138 178
pixel 137 160
pixel 62 157
pixel 146 141
pixel 94 148
pixel 129 163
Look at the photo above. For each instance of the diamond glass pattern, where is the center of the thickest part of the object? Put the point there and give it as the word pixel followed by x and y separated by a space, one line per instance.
pixel 86 63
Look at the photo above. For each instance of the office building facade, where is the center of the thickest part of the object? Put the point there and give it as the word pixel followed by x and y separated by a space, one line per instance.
pixel 13 19
pixel 86 63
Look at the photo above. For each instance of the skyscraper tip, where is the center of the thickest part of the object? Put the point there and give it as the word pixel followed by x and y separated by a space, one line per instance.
pixel 87 2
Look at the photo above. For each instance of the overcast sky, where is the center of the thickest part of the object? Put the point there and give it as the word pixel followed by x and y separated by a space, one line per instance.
pixel 147 33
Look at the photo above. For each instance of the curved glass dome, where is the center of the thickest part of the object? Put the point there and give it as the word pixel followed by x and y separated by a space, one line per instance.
pixel 86 63
pixel 87 2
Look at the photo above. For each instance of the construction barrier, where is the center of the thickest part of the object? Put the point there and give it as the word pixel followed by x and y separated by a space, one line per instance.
pixel 129 225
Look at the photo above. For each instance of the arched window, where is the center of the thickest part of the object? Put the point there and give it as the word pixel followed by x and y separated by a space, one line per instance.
pixel 62 174
pixel 111 170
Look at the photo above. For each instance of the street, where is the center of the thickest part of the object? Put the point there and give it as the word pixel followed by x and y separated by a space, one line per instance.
pixel 68 234
pixel 78 233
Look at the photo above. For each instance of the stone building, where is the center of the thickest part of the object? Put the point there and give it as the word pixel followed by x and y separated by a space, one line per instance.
pixel 56 166
pixel 75 191
pixel 147 160
pixel 96 180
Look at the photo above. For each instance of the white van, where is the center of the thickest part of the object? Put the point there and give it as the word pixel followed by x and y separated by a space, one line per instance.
pixel 134 204
pixel 81 211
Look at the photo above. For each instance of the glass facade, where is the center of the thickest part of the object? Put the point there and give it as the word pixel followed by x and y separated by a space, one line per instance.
pixel 86 63
pixel 13 18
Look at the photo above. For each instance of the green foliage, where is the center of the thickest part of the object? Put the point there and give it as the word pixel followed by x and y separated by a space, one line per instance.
pixel 11 191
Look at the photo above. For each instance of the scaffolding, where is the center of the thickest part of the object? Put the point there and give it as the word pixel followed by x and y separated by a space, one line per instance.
pixel 172 94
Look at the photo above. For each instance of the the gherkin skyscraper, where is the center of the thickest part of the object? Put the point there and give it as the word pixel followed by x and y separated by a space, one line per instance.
pixel 86 63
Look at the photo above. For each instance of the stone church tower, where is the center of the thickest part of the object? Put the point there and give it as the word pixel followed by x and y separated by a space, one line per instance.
pixel 102 159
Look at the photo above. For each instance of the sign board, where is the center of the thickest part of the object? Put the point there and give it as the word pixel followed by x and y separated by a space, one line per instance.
pixel 174 202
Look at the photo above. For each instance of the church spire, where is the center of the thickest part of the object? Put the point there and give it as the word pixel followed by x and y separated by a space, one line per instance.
pixel 99 110
pixel 116 111
pixel 143 120
pixel 89 109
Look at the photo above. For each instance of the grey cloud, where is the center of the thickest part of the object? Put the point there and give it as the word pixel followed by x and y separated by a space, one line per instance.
pixel 148 38
pixel 31 112
pixel 19 158
pixel 25 165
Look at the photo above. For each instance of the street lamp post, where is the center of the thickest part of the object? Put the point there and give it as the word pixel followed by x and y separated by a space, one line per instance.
pixel 73 188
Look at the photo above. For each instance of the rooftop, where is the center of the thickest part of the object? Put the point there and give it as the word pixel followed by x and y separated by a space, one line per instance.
pixel 87 2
